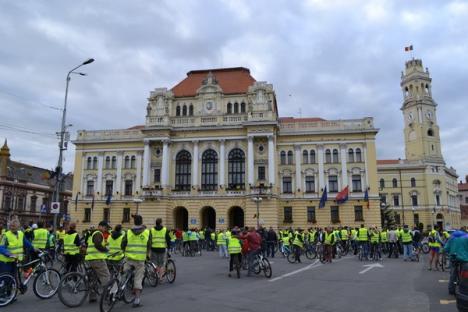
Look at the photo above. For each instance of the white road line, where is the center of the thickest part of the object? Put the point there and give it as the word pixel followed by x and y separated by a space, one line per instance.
pixel 315 264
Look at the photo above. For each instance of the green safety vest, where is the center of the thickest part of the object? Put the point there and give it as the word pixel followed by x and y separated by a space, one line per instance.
pixel 329 238
pixel 202 235
pixel 406 237
pixel 213 236
pixel 114 246
pixel 221 241
pixel 193 236
pixel 228 234
pixel 137 245
pixel 69 247
pixel 60 235
pixel 40 238
pixel 234 246
pixel 375 237
pixel 344 234
pixel 353 234
pixel 337 235
pixel 172 236
pixel 312 236
pixel 91 252
pixel 185 236
pixel 296 240
pixel 158 238
pixel 362 235
pixel 286 239
pixel 14 246
pixel 51 240
pixel 383 237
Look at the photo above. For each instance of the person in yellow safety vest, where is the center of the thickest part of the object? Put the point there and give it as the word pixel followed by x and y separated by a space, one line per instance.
pixel 286 239
pixel 234 247
pixel 329 240
pixel 114 244
pixel 344 234
pixel 363 239
pixel 40 237
pixel 51 241
pixel 173 240
pixel 96 255
pixel 221 243
pixel 71 249
pixel 384 238
pixel 375 241
pixel 185 239
pixel 13 246
pixel 201 235
pixel 435 245
pixel 298 244
pixel 312 236
pixel 193 241
pixel 212 240
pixel 407 242
pixel 137 246
pixel 160 240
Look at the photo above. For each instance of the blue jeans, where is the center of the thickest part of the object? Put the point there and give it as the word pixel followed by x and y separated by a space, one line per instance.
pixel 251 259
pixel 365 248
pixel 407 251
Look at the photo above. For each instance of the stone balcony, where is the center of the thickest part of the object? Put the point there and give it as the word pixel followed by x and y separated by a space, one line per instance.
pixel 84 136
pixel 300 126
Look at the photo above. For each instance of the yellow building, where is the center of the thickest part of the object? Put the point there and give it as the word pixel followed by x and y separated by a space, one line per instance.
pixel 213 150
pixel 420 188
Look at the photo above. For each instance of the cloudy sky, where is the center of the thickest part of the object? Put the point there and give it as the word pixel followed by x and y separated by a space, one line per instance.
pixel 326 58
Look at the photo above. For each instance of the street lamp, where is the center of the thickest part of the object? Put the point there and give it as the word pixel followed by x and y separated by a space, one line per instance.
pixel 137 201
pixel 58 170
pixel 258 200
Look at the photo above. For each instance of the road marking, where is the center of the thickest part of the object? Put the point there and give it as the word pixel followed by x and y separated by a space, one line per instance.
pixel 315 264
pixel 443 281
pixel 370 267
pixel 443 301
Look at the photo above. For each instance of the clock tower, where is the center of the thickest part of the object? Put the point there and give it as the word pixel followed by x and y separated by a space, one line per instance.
pixel 422 138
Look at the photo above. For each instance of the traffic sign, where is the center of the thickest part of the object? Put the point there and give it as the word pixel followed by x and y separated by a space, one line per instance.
pixel 55 208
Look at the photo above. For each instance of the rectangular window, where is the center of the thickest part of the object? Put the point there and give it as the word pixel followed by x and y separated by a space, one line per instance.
pixel 466 200
pixel 358 214
pixel 333 183
pixel 106 214
pixel 87 215
pixel 109 187
pixel 416 219
pixel 89 188
pixel 126 215
pixel 287 185
pixel 335 214
pixel 20 202
pixel 33 203
pixel 310 184
pixel 261 173
pixel 437 200
pixel 396 200
pixel 128 188
pixel 311 214
pixel 414 200
pixel 288 217
pixel 157 175
pixel 383 199
pixel 357 187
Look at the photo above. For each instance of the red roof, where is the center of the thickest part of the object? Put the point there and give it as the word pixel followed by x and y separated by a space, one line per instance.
pixel 388 161
pixel 234 80
pixel 292 119
pixel 137 127
pixel 462 186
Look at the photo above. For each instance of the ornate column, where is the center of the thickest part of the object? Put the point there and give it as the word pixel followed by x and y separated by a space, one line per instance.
pixel 99 175
pixel 222 161
pixel 297 151
pixel 321 168
pixel 166 162
pixel 344 169
pixel 118 179
pixel 250 160
pixel 83 167
pixel 146 163
pixel 138 172
pixel 271 159
pixel 195 164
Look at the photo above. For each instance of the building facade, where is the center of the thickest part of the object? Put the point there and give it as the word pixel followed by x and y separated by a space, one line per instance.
pixel 26 191
pixel 214 152
pixel 463 199
pixel 420 189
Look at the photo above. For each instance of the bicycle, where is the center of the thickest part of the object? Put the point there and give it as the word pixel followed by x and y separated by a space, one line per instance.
pixel 442 262
pixel 262 264
pixel 154 276
pixel 310 251
pixel 46 281
pixel 116 290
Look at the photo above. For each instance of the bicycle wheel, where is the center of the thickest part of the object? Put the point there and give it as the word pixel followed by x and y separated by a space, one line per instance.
pixel 128 295
pixel 425 248
pixel 343 252
pixel 46 283
pixel 267 268
pixel 310 254
pixel 151 277
pixel 8 289
pixel 291 258
pixel 257 267
pixel 109 296
pixel 170 271
pixel 73 289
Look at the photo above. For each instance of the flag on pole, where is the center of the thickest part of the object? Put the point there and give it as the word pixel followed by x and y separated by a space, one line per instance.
pixel 366 198
pixel 342 196
pixel 409 48
pixel 76 202
pixel 92 203
pixel 324 198
pixel 109 199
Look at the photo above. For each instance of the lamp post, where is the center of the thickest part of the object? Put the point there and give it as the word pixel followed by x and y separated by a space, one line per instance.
pixel 58 170
pixel 137 201
pixel 258 200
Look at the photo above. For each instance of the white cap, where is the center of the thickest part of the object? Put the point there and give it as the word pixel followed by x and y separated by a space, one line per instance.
pixel 34 226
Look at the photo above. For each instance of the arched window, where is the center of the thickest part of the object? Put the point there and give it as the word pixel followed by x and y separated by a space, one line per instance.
pixel 413 182
pixel 242 107
pixel 183 171
pixel 89 163
pixel 335 156
pixel 236 169
pixel 177 110
pixel 95 162
pixel 312 157
pixel 350 155
pixel 114 161
pixel 236 108
pixel 290 157
pixel 283 157
pixel 427 89
pixel 382 184
pixel 108 162
pixel 305 157
pixel 430 132
pixel 184 110
pixel 358 155
pixel 127 162
pixel 133 162
pixel 191 110
pixel 229 108
pixel 327 156
pixel 394 183
pixel 209 177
